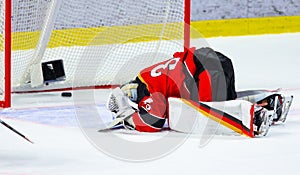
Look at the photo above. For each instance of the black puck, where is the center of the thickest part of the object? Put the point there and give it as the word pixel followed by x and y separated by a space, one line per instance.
pixel 66 94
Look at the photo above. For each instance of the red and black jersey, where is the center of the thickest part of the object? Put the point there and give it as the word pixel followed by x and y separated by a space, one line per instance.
pixel 183 76
pixel 166 78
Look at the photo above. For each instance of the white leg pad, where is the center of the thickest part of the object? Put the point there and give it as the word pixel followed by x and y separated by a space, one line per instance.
pixel 216 117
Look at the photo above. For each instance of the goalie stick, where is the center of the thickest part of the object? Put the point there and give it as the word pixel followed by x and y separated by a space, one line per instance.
pixel 241 94
pixel 15 131
pixel 118 120
pixel 114 124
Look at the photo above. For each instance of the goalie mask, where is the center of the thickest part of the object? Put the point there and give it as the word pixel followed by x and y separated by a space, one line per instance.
pixel 130 90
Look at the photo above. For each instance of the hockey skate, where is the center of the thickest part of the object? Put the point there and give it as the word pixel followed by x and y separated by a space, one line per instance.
pixel 279 104
pixel 262 121
pixel 271 100
pixel 285 108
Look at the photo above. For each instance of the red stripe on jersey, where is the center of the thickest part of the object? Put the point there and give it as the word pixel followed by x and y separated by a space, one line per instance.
pixel 141 126
pixel 152 113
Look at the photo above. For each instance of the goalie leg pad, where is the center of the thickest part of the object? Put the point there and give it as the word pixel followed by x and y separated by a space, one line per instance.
pixel 191 117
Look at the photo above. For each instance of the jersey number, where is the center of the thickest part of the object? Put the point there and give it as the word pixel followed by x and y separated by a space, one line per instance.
pixel 171 64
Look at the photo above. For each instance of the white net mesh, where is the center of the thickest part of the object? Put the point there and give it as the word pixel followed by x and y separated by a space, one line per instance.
pixel 100 42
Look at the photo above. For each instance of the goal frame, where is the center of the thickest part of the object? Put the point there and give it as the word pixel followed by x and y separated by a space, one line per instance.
pixel 6 102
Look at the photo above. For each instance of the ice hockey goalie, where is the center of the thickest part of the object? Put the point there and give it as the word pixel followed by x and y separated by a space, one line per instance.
pixel 193 85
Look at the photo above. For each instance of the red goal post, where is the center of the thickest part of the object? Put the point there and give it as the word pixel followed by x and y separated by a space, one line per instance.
pixel 6 48
pixel 95 40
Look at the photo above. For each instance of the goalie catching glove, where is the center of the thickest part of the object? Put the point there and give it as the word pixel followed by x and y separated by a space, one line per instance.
pixel 121 105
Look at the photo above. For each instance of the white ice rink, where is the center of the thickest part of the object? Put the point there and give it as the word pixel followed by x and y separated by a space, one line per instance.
pixel 62 147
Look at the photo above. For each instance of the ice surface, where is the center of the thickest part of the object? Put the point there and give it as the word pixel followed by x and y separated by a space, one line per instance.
pixel 60 126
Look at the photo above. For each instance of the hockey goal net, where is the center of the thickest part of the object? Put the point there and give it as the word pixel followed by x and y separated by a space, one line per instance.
pixel 99 42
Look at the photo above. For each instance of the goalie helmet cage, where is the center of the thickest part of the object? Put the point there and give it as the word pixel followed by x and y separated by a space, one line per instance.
pixel 101 43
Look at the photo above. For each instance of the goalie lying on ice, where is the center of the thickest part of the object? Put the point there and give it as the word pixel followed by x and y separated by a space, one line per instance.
pixel 203 80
